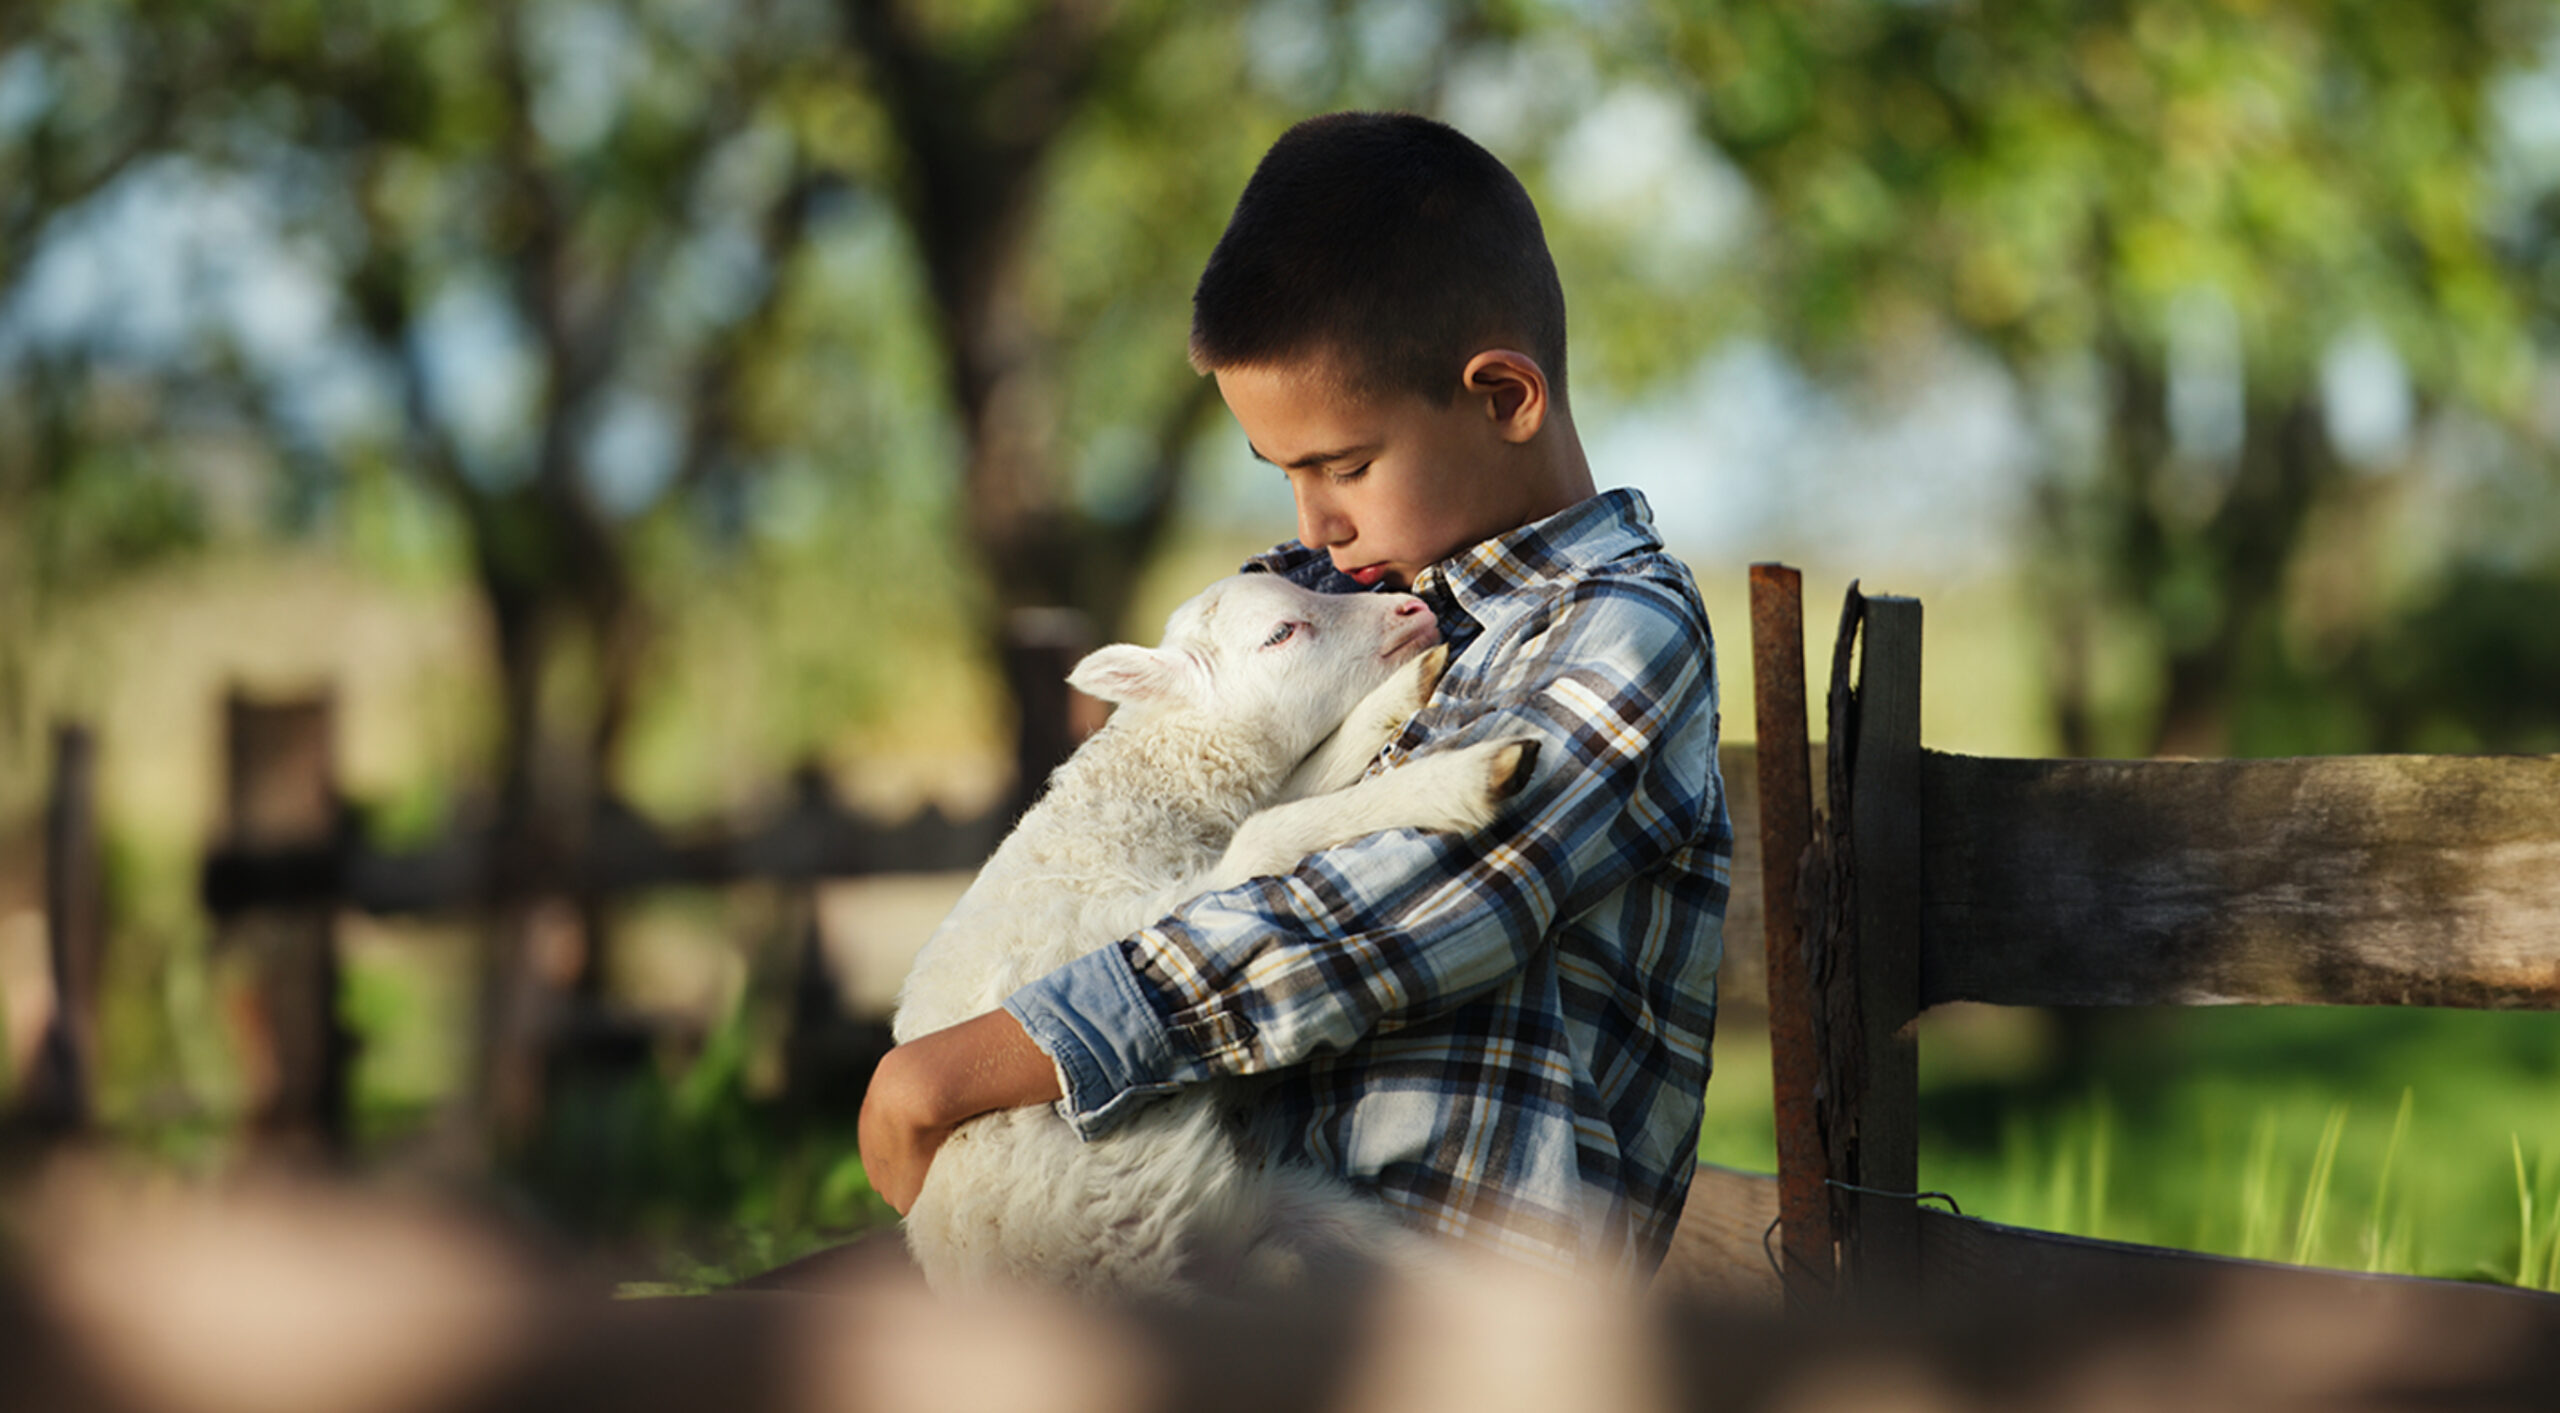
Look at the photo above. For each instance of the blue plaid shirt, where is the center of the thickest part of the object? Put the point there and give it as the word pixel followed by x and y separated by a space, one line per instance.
pixel 1502 1037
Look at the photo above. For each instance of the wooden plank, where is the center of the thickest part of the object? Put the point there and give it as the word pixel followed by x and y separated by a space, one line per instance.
pixel 1968 1259
pixel 2357 880
pixel 1721 1254
pixel 1885 829
pixel 1742 983
pixel 1785 830
pixel 1723 1251
pixel 456 873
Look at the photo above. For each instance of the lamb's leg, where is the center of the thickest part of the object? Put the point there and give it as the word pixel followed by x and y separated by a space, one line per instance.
pixel 1457 790
pixel 1345 755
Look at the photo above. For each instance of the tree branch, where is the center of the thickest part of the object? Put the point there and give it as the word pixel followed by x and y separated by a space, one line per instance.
pixel 713 431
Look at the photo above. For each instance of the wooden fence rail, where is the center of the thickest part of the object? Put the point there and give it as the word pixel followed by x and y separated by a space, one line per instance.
pixel 2343 881
pixel 814 837
pixel 2338 881
pixel 293 854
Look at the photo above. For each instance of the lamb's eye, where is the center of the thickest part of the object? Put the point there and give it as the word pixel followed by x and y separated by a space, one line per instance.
pixel 1280 635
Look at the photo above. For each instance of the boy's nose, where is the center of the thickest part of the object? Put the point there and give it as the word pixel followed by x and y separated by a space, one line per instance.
pixel 1318 526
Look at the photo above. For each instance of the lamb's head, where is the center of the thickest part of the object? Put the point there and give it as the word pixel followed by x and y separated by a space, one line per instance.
pixel 1256 648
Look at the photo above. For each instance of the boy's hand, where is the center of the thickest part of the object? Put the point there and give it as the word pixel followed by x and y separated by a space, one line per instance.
pixel 933 1084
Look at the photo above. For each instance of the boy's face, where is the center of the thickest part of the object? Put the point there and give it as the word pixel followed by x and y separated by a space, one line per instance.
pixel 1385 482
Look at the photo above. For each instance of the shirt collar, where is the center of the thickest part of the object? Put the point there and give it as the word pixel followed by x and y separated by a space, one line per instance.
pixel 1610 525
pixel 1582 536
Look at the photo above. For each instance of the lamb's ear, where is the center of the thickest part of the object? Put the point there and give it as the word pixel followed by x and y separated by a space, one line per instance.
pixel 1126 673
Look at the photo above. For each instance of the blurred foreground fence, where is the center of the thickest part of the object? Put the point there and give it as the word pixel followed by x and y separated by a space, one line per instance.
pixel 312 1299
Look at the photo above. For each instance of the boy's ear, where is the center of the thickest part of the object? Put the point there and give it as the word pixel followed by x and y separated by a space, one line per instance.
pixel 1514 389
pixel 1126 673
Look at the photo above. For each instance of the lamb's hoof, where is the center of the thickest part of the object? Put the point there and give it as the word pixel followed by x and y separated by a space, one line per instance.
pixel 1394 702
pixel 1512 766
pixel 1426 672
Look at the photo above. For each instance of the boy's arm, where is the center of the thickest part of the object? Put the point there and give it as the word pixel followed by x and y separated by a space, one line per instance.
pixel 1618 686
pixel 933 1084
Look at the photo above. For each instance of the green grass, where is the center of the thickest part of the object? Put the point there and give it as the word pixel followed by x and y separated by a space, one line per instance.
pixel 2406 1141
pixel 2537 1237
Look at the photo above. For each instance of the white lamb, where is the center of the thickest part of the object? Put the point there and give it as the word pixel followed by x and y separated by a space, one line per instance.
pixel 1233 753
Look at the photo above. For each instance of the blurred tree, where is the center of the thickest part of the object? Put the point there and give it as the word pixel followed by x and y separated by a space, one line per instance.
pixel 535 224
pixel 588 219
pixel 1017 128
pixel 977 104
pixel 2166 213
pixel 583 265
pixel 76 112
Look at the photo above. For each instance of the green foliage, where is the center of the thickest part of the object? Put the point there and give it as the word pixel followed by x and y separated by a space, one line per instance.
pixel 2069 171
pixel 694 1174
pixel 2474 667
pixel 2095 194
pixel 112 517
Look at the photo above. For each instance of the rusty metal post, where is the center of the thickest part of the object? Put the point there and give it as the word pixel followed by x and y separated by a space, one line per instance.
pixel 1786 829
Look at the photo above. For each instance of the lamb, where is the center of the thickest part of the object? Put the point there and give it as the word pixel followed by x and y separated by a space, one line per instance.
pixel 1238 747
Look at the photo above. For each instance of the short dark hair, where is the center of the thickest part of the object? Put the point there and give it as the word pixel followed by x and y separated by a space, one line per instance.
pixel 1388 241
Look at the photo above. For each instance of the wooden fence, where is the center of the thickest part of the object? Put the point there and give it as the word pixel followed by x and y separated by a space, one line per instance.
pixel 293 855
pixel 2373 880
pixel 2407 880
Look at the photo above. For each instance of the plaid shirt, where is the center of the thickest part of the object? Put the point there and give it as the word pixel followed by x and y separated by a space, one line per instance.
pixel 1503 1037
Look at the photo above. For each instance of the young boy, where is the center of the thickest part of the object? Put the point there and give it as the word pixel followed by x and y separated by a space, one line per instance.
pixel 1504 1037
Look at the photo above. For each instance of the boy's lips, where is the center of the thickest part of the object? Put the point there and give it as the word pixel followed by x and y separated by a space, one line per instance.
pixel 1369 576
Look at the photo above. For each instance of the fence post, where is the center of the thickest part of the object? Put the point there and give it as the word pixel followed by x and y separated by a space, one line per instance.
pixel 1786 830
pixel 282 793
pixel 1884 817
pixel 1041 646
pixel 59 1093
pixel 1865 959
pixel 828 1053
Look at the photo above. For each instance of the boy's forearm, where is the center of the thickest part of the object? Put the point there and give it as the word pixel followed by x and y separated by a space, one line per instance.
pixel 933 1084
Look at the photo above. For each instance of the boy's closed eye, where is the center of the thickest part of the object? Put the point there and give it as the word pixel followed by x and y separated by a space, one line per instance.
pixel 1349 473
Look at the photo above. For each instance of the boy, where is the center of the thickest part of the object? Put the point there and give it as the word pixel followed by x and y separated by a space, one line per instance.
pixel 1504 1037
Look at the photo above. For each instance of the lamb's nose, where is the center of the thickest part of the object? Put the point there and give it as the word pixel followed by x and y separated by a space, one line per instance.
pixel 1409 607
